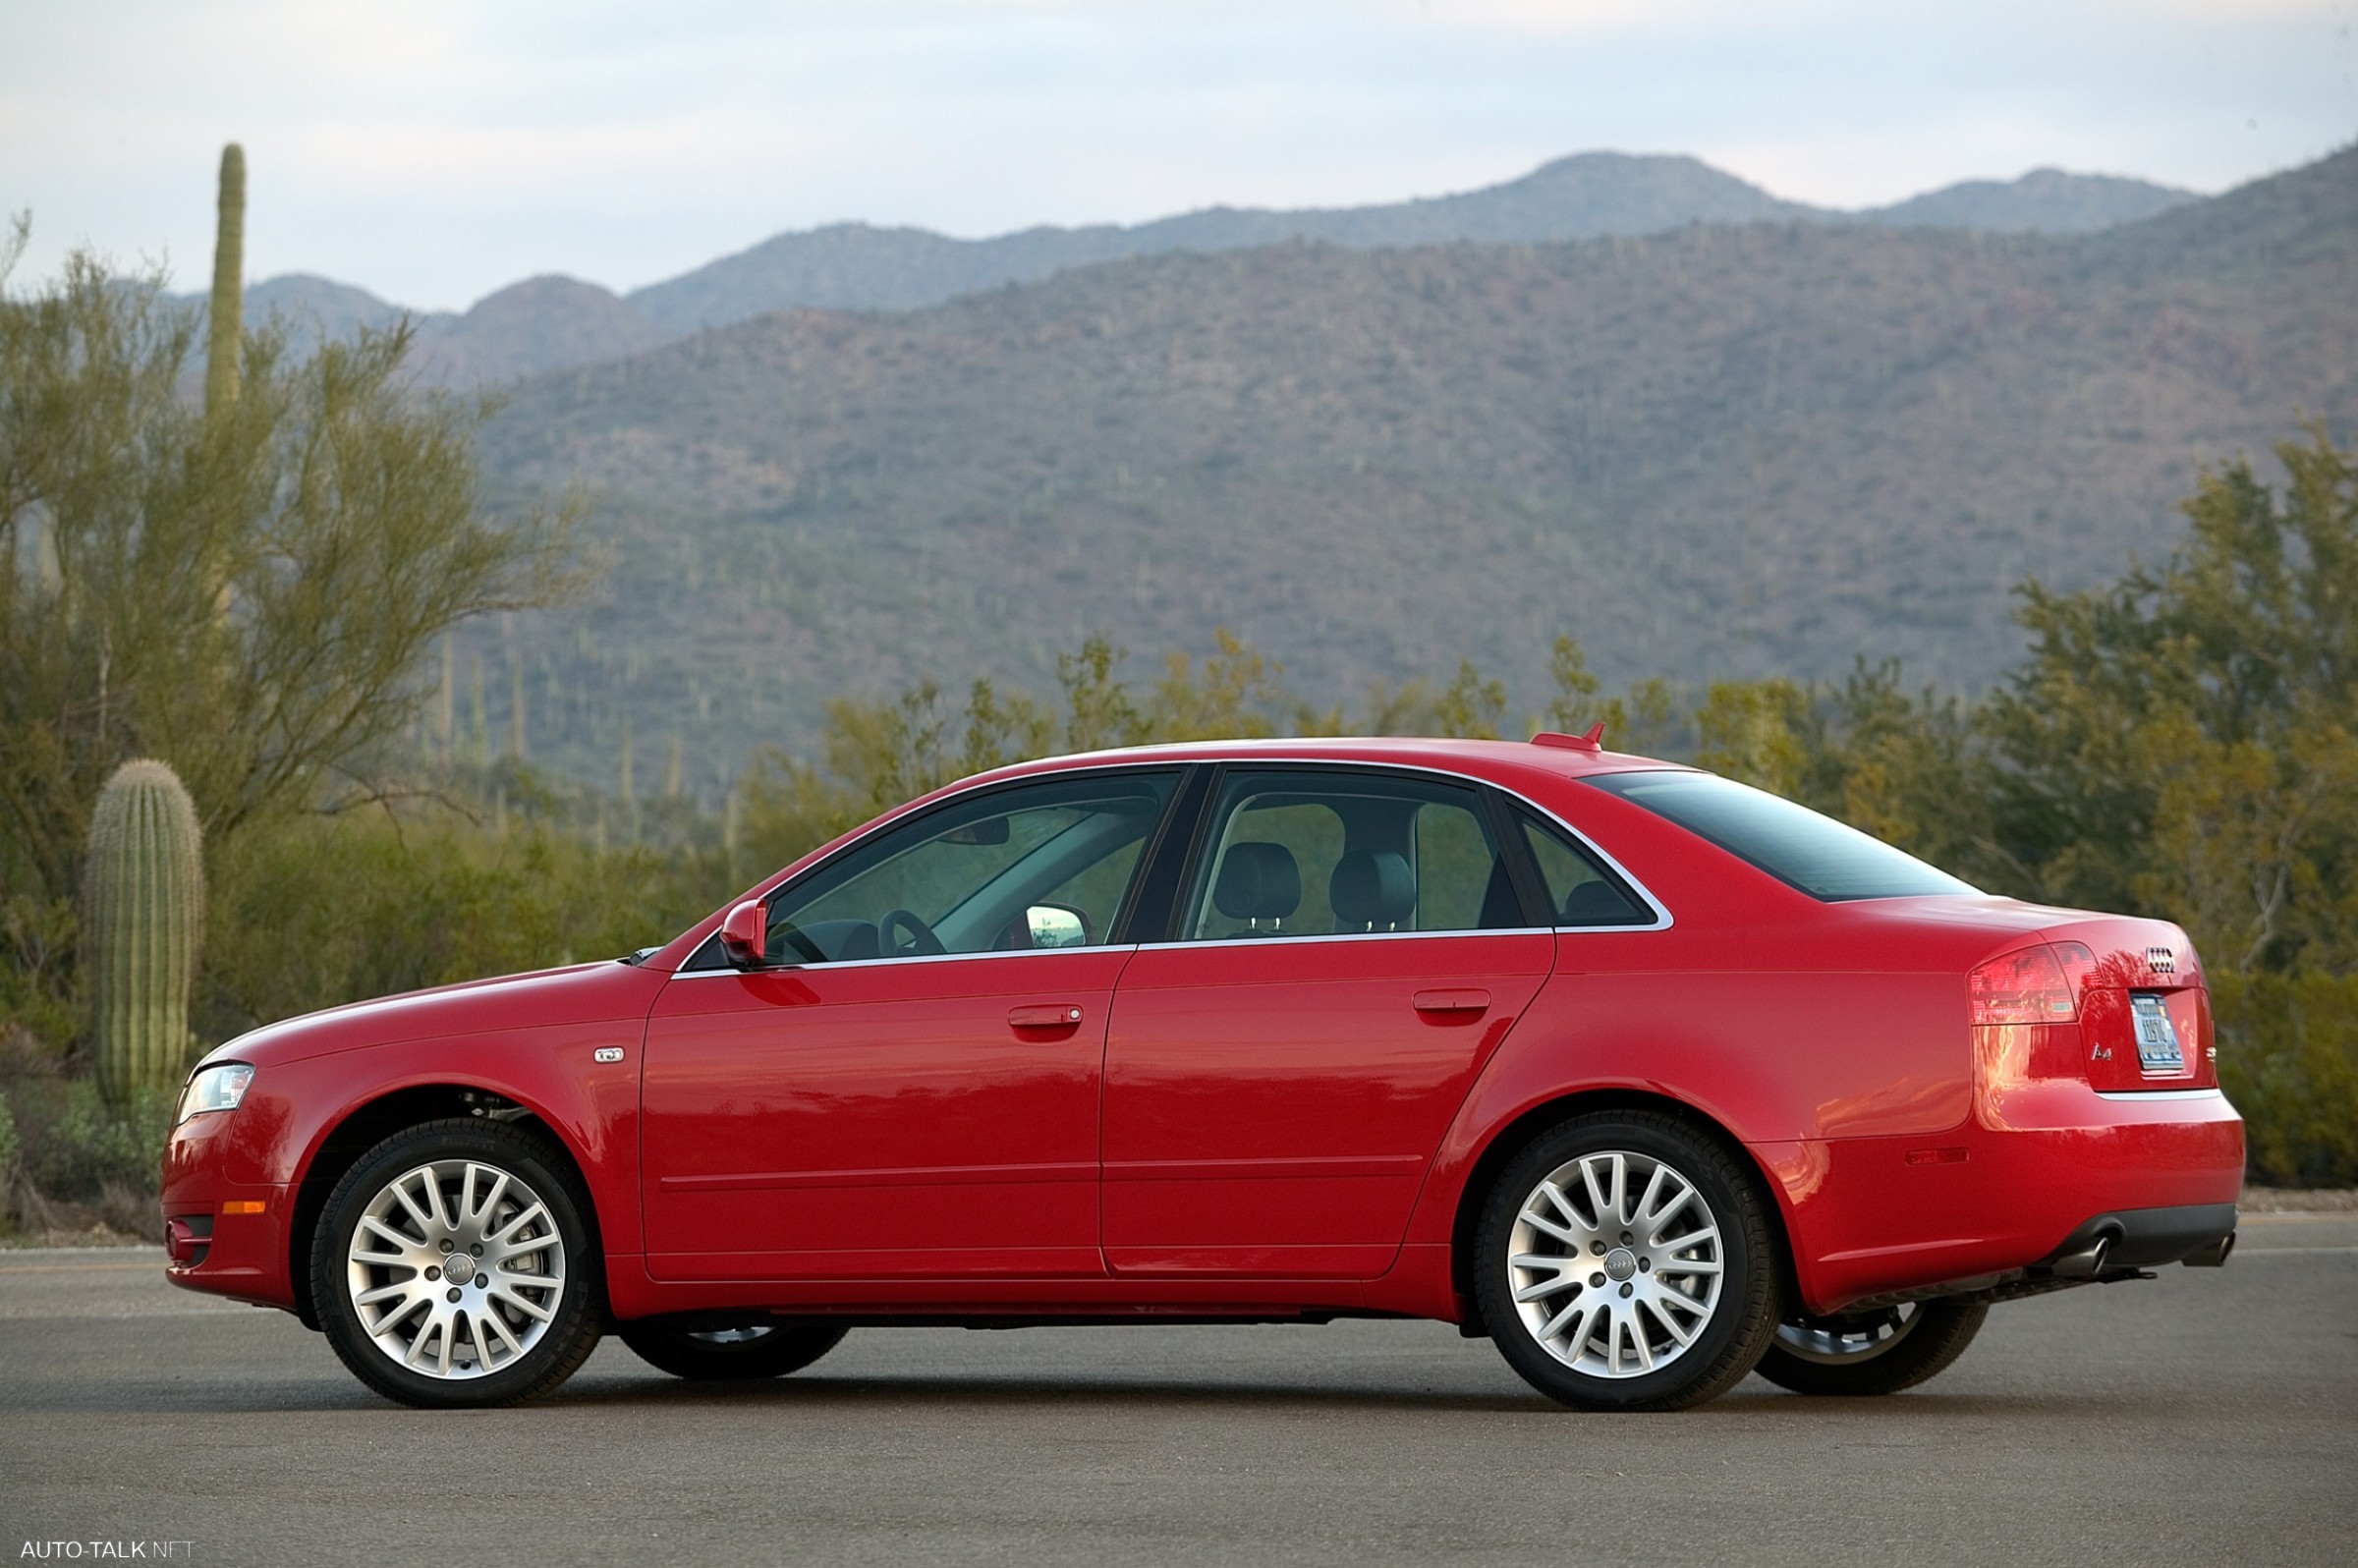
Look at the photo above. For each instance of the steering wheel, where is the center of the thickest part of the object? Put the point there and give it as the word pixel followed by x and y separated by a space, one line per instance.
pixel 922 943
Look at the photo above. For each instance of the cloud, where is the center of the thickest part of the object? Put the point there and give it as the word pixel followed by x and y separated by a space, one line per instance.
pixel 436 151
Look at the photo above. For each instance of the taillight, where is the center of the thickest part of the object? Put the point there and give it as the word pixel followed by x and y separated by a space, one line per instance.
pixel 2025 987
pixel 2079 964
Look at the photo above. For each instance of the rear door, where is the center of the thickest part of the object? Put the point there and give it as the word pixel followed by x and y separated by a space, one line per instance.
pixel 1350 948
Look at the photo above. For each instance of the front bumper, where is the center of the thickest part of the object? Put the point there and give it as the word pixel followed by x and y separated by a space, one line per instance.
pixel 225 1237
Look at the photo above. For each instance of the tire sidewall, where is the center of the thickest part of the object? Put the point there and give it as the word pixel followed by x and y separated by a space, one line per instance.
pixel 579 1305
pixel 1744 1321
pixel 1942 1332
pixel 787 1348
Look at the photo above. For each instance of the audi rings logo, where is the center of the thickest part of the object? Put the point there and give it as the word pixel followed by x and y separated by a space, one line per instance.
pixel 2161 961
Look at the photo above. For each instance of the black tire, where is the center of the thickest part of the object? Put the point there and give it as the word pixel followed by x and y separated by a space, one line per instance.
pixel 1725 1342
pixel 563 1245
pixel 754 1349
pixel 1871 1353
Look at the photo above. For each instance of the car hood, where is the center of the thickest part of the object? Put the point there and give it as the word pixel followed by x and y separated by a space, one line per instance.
pixel 578 993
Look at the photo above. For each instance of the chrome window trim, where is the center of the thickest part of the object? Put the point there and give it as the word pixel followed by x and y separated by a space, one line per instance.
pixel 833 964
pixel 2131 1095
pixel 1290 938
pixel 1663 921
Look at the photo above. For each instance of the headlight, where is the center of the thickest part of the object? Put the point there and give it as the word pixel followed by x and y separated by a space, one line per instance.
pixel 216 1088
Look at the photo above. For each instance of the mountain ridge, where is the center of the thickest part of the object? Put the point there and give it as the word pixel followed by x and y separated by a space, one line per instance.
pixel 1744 449
pixel 863 267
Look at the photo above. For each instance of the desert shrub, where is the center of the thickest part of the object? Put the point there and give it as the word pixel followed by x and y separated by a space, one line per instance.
pixel 328 909
pixel 77 1149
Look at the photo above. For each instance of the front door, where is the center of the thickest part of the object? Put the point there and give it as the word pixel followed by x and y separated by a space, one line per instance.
pixel 912 1088
pixel 1277 1080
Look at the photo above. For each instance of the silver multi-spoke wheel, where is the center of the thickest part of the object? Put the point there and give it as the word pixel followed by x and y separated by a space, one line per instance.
pixel 1848 1341
pixel 456 1269
pixel 1615 1262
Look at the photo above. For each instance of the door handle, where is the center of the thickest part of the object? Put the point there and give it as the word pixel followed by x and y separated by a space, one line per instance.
pixel 1044 1015
pixel 1453 1001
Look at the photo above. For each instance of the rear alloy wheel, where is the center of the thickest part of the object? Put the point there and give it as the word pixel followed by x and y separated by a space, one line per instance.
pixel 1624 1264
pixel 754 1349
pixel 1878 1352
pixel 454 1266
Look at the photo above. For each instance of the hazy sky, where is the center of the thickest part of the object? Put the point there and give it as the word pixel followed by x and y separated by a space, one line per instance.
pixel 433 151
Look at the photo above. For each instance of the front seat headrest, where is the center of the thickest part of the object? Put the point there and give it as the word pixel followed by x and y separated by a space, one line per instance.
pixel 1372 889
pixel 1257 882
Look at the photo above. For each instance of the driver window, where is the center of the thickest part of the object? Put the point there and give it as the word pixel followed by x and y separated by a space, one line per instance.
pixel 1031 866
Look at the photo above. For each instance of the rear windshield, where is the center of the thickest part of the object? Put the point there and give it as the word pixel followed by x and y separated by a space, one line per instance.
pixel 1792 843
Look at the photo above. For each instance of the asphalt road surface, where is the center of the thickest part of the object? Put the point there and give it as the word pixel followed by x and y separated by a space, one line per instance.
pixel 2207 1417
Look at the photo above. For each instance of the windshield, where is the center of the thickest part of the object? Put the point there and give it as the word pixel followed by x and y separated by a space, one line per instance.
pixel 1821 857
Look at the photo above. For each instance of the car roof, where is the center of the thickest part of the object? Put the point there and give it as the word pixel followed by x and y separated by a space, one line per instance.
pixel 1495 760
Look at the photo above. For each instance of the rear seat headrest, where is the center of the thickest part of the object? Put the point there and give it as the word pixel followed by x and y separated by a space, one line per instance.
pixel 1371 888
pixel 1257 881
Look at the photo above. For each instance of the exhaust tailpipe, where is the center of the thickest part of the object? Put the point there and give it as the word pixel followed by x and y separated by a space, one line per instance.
pixel 2213 1255
pixel 2085 1263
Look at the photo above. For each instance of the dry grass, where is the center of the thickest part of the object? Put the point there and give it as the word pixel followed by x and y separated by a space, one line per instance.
pixel 120 1218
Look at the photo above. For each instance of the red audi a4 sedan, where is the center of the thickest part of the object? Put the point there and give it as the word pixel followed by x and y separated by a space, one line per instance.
pixel 1651 1078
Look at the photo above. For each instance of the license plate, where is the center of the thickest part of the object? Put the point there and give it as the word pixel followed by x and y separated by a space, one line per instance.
pixel 2157 1041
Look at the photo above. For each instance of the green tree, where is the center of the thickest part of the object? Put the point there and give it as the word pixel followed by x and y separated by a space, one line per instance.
pixel 2187 738
pixel 1910 770
pixel 335 509
pixel 1641 721
pixel 1761 732
pixel 1234 695
pixel 1097 709
pixel 1471 708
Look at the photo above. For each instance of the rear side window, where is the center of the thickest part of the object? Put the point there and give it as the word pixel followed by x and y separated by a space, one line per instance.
pixel 1347 854
pixel 1821 857
pixel 1580 891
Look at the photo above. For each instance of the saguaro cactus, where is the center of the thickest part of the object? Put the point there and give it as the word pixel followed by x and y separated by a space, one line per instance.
pixel 144 902
pixel 226 330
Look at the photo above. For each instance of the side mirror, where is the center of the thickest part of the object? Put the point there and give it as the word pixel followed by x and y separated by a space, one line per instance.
pixel 745 935
pixel 1055 925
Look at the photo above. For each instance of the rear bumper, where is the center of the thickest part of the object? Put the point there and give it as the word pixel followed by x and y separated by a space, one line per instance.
pixel 2199 1234
pixel 1875 1217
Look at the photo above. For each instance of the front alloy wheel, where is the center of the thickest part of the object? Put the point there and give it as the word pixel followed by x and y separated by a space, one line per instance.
pixel 1624 1265
pixel 453 1267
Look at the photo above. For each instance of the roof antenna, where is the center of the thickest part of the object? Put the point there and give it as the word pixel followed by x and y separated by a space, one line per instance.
pixel 1592 741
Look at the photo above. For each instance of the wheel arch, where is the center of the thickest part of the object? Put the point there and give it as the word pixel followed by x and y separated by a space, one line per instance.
pixel 370 1122
pixel 1511 1139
